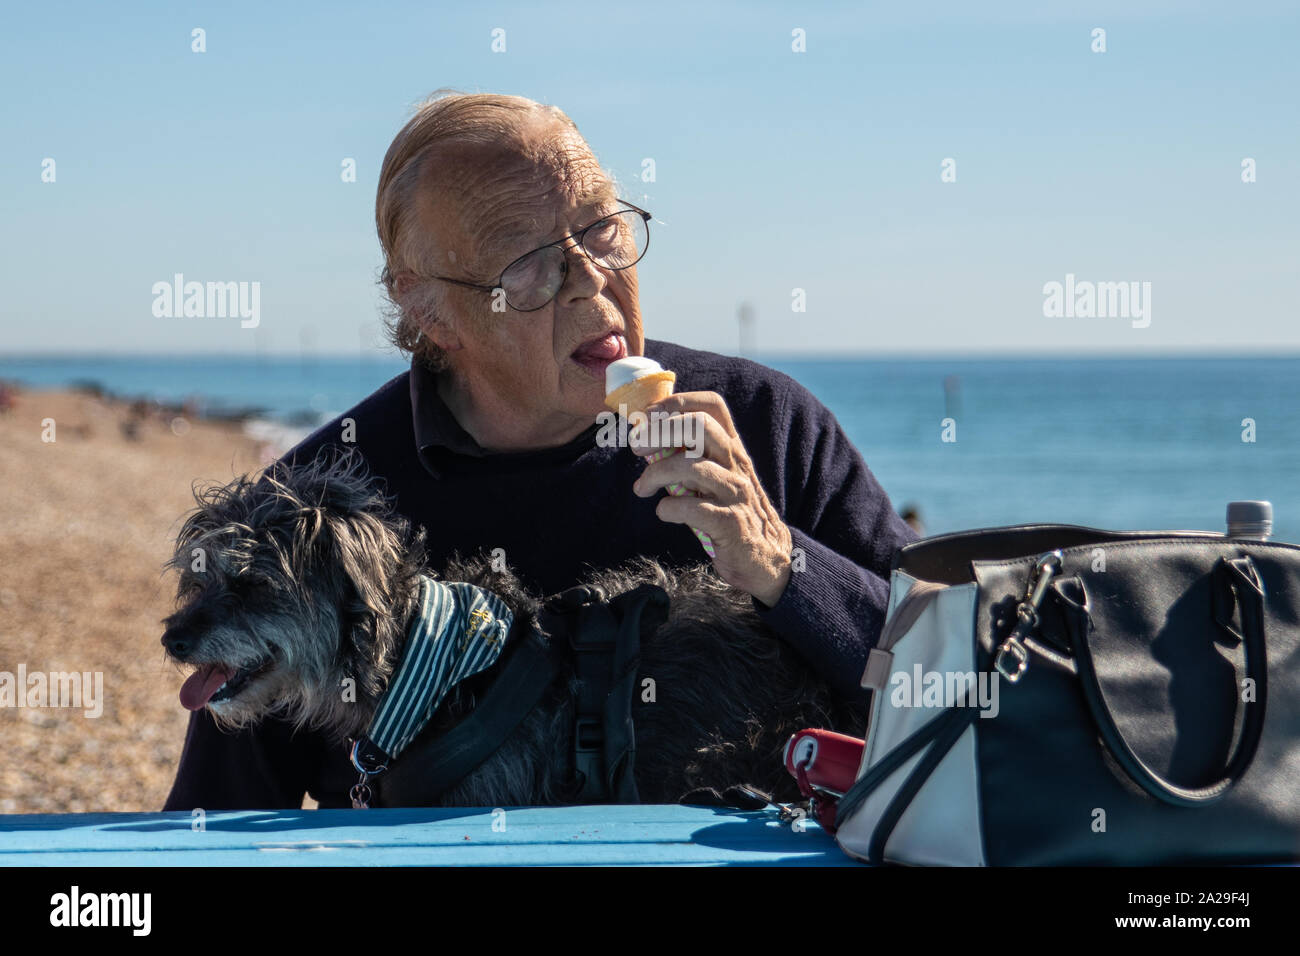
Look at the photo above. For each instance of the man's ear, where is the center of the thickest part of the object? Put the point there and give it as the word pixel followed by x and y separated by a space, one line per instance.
pixel 422 304
pixel 441 335
pixel 404 282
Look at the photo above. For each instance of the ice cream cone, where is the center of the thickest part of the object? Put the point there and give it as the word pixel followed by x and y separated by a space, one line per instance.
pixel 639 394
pixel 632 385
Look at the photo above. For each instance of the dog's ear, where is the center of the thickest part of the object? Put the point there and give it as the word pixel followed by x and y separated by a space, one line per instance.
pixel 374 567
pixel 220 521
pixel 368 551
pixel 334 496
pixel 342 531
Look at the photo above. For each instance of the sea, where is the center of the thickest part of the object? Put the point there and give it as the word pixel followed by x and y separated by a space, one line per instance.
pixel 1117 443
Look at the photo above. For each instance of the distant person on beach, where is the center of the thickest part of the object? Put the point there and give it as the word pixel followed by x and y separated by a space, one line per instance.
pixel 136 417
pixel 912 515
pixel 488 211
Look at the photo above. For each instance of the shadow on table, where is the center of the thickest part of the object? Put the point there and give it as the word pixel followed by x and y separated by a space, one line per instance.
pixel 238 821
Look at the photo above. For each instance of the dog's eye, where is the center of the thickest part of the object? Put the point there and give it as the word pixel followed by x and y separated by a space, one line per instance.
pixel 189 591
pixel 254 586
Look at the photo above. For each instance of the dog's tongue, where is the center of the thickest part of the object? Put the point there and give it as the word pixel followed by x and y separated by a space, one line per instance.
pixel 202 684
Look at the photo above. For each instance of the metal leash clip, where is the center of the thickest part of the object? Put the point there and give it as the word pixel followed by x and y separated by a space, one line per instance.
pixel 360 794
pixel 368 764
pixel 1013 657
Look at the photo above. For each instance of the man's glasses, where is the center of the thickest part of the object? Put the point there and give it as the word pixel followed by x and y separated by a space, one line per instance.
pixel 612 242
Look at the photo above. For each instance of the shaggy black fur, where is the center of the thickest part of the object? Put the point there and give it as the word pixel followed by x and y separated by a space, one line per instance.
pixel 312 569
pixel 729 693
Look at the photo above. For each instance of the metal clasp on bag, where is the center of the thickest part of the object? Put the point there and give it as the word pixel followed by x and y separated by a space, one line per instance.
pixel 1012 659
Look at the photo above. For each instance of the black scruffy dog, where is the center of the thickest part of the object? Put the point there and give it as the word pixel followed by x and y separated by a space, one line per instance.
pixel 307 577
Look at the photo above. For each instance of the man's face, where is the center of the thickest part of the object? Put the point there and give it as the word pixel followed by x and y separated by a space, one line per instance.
pixel 486 207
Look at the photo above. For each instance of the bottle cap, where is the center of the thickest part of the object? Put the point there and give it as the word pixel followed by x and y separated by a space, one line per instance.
pixel 1250 520
pixel 1250 512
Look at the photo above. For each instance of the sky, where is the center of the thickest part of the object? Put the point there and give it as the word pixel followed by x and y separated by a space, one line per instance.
pixel 775 170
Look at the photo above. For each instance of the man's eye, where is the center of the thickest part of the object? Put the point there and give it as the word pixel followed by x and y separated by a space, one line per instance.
pixel 604 236
pixel 526 271
pixel 605 230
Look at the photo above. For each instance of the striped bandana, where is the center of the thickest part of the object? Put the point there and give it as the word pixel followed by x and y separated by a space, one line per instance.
pixel 458 631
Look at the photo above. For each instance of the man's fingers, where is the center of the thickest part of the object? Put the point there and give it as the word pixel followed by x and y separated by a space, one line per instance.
pixel 697 433
pixel 711 403
pixel 714 520
pixel 700 476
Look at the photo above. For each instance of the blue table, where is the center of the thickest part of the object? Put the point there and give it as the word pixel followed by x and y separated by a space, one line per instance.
pixel 524 836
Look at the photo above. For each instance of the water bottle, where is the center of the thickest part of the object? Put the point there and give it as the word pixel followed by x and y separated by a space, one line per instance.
pixel 1251 520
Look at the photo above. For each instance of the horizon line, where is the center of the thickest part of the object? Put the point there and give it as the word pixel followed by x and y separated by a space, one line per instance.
pixel 1262 352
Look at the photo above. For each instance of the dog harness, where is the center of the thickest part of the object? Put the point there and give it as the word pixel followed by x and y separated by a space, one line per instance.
pixel 579 630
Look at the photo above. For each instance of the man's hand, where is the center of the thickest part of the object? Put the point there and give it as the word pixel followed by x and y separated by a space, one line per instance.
pixel 752 544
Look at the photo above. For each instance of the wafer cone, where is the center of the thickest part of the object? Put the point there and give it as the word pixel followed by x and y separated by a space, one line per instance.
pixel 643 392
pixel 636 396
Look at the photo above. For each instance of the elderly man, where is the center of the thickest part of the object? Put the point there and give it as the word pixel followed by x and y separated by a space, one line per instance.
pixel 487 208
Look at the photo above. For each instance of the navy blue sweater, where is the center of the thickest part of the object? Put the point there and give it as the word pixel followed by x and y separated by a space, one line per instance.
pixel 556 512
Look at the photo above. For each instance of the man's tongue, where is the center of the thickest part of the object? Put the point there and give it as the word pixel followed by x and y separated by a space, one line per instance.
pixel 202 684
pixel 594 356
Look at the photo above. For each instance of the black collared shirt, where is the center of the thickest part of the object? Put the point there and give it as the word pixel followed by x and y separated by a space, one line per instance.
pixel 441 440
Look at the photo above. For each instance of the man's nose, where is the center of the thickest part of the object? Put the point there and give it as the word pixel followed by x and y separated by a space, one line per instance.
pixel 584 278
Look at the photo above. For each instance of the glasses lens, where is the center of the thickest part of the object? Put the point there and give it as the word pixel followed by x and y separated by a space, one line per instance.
pixel 534 280
pixel 617 241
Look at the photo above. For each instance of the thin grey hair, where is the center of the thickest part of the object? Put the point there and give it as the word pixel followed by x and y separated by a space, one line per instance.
pixel 446 116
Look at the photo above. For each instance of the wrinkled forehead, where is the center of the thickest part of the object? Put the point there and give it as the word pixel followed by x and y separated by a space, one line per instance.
pixel 484 201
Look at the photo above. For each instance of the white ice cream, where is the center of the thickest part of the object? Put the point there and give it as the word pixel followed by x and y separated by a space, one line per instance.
pixel 624 371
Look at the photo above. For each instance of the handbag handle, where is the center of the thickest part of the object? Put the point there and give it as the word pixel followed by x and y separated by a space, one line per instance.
pixel 1238 575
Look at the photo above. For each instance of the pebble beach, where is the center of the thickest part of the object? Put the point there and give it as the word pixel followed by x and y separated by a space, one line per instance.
pixel 87 521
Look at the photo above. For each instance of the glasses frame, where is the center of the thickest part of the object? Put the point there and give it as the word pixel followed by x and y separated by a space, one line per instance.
pixel 580 235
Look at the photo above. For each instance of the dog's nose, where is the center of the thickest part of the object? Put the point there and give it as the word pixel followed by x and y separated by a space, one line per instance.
pixel 179 642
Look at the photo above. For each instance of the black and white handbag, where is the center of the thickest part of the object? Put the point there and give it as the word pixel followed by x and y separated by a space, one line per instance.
pixel 1060 695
